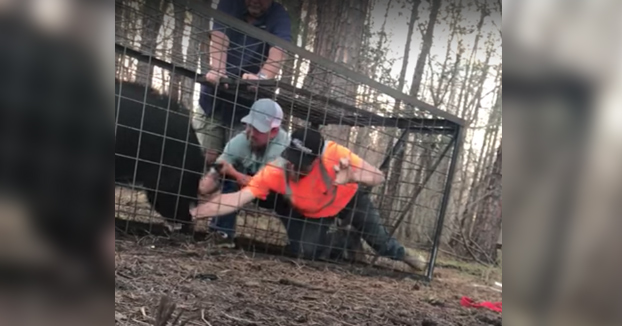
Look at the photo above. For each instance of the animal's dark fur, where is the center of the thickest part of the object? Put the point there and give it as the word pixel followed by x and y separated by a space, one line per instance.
pixel 157 131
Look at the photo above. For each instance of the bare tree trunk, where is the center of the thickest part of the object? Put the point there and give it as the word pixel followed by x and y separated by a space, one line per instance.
pixel 478 188
pixel 307 31
pixel 126 23
pixel 414 16
pixel 394 180
pixel 474 190
pixel 294 8
pixel 304 30
pixel 445 86
pixel 119 30
pixel 426 155
pixel 494 123
pixel 327 27
pixel 425 49
pixel 386 204
pixel 363 132
pixel 177 53
pixel 464 95
pixel 381 42
pixel 198 35
pixel 453 107
pixel 473 115
pixel 444 82
pixel 351 55
pixel 488 223
pixel 462 107
pixel 152 15
pixel 339 38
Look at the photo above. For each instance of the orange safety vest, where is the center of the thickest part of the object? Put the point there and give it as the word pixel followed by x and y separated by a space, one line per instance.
pixel 328 182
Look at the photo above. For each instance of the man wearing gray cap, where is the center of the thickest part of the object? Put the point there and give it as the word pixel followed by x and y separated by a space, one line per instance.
pixel 244 155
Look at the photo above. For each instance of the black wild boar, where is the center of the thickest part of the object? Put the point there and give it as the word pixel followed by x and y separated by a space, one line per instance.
pixel 157 148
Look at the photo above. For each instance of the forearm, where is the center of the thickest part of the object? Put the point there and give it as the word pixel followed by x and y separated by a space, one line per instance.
pixel 369 177
pixel 273 64
pixel 226 203
pixel 218 51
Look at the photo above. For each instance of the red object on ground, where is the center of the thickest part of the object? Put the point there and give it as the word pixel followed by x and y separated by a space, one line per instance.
pixel 469 303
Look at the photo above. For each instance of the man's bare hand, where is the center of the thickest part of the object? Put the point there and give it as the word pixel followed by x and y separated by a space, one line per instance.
pixel 243 180
pixel 214 77
pixel 343 172
pixel 204 211
pixel 251 77
pixel 227 169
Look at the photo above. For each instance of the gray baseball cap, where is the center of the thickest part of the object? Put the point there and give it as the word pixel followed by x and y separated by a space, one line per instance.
pixel 265 114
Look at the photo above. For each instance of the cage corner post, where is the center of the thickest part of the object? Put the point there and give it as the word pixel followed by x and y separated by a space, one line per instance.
pixel 445 202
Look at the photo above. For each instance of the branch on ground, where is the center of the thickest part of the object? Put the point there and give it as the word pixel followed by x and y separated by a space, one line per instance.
pixel 165 312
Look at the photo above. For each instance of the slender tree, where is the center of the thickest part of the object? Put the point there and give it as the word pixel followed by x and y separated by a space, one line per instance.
pixel 465 161
pixel 294 8
pixel 152 18
pixel 339 33
pixel 386 204
pixel 426 46
pixel 177 55
pixel 394 180
pixel 487 226
pixel 374 59
pixel 199 28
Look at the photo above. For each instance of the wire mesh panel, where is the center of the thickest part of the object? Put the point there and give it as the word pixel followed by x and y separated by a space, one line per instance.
pixel 173 121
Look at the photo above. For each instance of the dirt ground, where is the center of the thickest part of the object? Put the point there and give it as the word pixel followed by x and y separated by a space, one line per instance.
pixel 236 287
pixel 231 287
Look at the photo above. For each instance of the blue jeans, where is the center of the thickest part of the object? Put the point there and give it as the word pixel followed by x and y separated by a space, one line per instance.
pixel 304 234
pixel 366 219
pixel 226 223
pixel 309 238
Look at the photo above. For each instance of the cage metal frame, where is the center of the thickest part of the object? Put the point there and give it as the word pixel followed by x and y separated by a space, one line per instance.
pixel 448 124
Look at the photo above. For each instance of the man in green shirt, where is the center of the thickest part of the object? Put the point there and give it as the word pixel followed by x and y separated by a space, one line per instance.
pixel 244 155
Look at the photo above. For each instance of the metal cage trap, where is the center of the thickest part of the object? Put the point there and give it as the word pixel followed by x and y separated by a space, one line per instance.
pixel 162 46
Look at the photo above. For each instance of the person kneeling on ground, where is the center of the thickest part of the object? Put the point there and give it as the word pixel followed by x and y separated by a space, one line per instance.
pixel 244 155
pixel 320 180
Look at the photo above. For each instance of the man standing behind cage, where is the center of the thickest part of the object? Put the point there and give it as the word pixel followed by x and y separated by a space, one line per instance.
pixel 235 54
pixel 321 180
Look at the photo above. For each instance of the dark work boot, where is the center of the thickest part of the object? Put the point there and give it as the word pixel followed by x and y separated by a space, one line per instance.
pixel 414 260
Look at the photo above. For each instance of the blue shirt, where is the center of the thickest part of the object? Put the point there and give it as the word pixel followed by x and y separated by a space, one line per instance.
pixel 245 53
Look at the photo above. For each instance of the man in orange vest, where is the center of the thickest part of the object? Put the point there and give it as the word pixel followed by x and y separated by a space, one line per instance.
pixel 321 180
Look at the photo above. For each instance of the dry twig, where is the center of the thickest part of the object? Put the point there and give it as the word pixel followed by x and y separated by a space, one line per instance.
pixel 203 318
pixel 241 320
pixel 165 311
